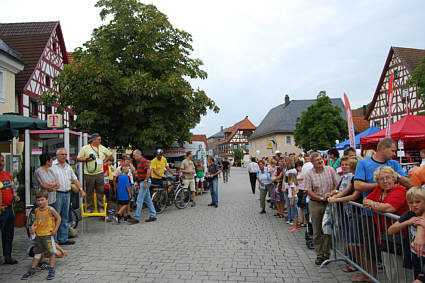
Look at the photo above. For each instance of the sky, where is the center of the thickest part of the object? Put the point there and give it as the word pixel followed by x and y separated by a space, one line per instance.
pixel 255 52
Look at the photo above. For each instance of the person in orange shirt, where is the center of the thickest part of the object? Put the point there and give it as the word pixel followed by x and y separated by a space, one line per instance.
pixel 46 224
pixel 417 176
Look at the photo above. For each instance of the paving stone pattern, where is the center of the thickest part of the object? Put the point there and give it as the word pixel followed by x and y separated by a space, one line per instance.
pixel 231 243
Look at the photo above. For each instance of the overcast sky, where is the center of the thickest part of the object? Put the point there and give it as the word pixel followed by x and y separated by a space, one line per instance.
pixel 255 52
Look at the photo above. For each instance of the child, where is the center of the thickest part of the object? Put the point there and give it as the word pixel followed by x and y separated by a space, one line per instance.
pixel 272 169
pixel 345 193
pixel 302 195
pixel 279 190
pixel 123 194
pixel 415 216
pixel 45 228
pixel 59 252
pixel 200 173
pixel 293 200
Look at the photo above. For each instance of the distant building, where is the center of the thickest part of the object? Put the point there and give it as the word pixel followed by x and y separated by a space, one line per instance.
pixel 359 120
pixel 214 140
pixel 10 65
pixel 276 131
pixel 402 62
pixel 200 138
pixel 236 137
pixel 41 47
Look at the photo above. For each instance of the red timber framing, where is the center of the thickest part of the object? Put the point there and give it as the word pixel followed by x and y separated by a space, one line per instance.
pixel 236 137
pixel 401 62
pixel 44 54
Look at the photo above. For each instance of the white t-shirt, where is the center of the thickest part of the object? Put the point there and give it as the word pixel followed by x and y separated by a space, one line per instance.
pixel 306 167
pixel 253 167
pixel 292 186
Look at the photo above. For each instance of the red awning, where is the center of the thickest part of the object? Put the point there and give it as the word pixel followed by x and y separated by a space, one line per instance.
pixel 409 128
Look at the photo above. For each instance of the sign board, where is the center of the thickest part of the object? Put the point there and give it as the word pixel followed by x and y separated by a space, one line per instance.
pixel 54 121
pixel 270 145
pixel 400 144
pixel 400 153
pixel 36 151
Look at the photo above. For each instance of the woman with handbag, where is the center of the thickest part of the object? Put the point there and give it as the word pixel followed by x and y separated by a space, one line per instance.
pixel 387 197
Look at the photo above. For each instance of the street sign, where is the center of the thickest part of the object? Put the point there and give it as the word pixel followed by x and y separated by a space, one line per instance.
pixel 54 121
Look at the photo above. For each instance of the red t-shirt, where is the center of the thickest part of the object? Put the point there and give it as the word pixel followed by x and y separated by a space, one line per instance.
pixel 7 194
pixel 396 197
pixel 106 170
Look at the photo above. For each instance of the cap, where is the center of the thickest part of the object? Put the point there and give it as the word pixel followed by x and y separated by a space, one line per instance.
pixel 94 136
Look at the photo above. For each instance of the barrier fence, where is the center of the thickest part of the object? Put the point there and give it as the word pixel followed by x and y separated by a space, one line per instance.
pixel 360 238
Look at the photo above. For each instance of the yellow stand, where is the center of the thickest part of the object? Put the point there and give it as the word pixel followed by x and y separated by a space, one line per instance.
pixel 84 213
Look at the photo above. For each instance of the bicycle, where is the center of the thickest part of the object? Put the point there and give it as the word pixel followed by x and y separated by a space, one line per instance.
pixel 178 195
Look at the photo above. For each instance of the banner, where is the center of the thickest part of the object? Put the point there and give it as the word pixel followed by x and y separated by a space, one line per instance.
pixel 350 124
pixel 390 104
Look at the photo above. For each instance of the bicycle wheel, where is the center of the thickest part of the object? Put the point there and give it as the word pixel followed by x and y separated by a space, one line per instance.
pixel 75 218
pixel 30 220
pixel 182 198
pixel 159 201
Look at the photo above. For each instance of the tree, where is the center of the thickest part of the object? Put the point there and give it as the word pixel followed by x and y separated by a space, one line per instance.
pixel 129 82
pixel 238 155
pixel 320 125
pixel 418 79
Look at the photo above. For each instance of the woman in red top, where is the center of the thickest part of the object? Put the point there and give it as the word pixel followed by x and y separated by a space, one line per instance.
pixel 387 197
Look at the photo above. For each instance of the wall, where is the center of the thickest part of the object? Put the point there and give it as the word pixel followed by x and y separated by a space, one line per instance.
pixel 280 139
pixel 8 105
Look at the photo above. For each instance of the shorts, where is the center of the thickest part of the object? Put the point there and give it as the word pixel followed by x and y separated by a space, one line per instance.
pixel 201 179
pixel 44 244
pixel 123 202
pixel 189 183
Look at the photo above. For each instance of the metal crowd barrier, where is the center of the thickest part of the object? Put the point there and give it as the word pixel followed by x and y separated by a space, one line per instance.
pixel 359 239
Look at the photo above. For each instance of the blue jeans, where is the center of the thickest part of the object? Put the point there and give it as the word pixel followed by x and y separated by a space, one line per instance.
pixel 214 190
pixel 62 207
pixel 144 197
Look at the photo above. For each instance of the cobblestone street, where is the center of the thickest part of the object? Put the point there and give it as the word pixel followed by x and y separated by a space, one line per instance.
pixel 231 243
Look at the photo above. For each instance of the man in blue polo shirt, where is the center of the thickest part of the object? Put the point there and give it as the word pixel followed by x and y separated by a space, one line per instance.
pixel 364 182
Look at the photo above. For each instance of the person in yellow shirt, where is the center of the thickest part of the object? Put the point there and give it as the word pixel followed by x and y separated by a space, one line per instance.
pixel 46 224
pixel 159 165
pixel 93 156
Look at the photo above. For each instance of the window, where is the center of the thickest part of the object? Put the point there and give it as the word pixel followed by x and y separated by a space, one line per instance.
pixel 71 119
pixel 33 108
pixel 288 140
pixel 48 110
pixel 47 79
pixel 396 74
pixel 377 124
pixel 2 86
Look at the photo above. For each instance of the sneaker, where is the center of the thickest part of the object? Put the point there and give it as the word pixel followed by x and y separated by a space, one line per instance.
pixel 193 204
pixel 262 211
pixel 291 223
pixel 43 265
pixel 287 222
pixel 132 221
pixel 51 274
pixel 117 218
pixel 27 275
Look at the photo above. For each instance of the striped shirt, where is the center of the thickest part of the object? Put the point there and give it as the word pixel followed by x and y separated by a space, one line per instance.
pixel 65 175
pixel 321 183
pixel 143 166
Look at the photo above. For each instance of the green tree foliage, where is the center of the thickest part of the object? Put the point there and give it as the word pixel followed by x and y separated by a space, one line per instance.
pixel 238 155
pixel 418 78
pixel 320 125
pixel 129 82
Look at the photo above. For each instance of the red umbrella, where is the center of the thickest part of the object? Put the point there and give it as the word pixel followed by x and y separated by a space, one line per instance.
pixel 410 128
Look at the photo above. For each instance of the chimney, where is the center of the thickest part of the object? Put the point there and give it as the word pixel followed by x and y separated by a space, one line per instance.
pixel 286 100
pixel 221 128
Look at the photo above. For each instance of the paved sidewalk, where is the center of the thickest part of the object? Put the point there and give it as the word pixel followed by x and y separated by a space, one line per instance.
pixel 231 243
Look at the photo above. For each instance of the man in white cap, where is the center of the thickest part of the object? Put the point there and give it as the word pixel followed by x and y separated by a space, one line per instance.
pixel 93 156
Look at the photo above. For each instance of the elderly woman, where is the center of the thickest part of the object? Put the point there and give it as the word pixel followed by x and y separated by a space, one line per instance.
pixel 44 178
pixel 387 197
pixel 264 184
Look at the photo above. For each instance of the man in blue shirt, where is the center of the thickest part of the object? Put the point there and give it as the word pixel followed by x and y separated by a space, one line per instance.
pixel 364 182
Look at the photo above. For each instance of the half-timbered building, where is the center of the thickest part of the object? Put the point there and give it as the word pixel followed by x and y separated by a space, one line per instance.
pixel 401 62
pixel 42 49
pixel 236 137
